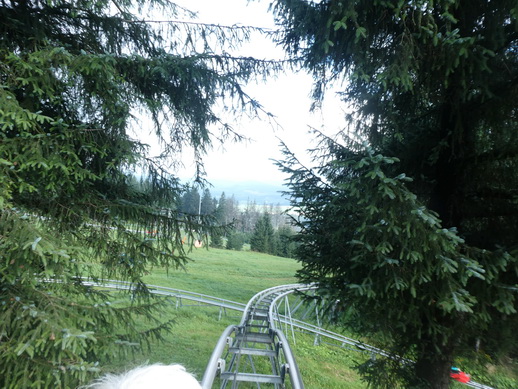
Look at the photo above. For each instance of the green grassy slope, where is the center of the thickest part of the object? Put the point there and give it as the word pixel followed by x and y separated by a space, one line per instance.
pixel 235 276
pixel 232 275
pixel 238 276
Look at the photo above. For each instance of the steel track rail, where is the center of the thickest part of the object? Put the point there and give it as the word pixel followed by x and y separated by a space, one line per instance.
pixel 179 294
pixel 269 299
pixel 251 343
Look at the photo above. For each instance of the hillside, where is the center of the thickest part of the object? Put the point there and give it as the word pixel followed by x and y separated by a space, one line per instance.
pixel 237 276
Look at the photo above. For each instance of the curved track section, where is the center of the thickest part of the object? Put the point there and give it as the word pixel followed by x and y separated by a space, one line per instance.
pixel 258 341
pixel 255 350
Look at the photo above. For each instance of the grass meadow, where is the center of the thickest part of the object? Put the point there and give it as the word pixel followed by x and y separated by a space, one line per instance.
pixel 237 276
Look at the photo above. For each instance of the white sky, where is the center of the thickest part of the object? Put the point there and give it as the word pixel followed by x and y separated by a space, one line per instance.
pixel 287 97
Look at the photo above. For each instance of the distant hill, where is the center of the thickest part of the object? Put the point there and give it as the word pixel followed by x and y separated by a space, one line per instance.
pixel 245 191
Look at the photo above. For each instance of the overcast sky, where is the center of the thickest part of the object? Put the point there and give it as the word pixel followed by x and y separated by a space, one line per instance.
pixel 287 97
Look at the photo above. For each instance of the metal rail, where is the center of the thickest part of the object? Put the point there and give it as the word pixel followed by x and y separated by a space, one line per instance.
pixel 256 351
pixel 179 295
pixel 340 340
pixel 261 315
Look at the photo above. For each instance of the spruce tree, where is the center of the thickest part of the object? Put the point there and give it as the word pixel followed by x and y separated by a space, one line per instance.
pixel 75 76
pixel 286 244
pixel 221 210
pixel 207 204
pixel 235 240
pixel 262 239
pixel 216 239
pixel 415 230
pixel 191 201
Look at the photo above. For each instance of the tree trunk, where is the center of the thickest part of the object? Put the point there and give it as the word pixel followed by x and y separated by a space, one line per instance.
pixel 434 362
pixel 434 374
pixel 445 198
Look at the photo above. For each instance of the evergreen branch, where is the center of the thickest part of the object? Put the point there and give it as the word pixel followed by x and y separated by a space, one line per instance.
pixel 205 24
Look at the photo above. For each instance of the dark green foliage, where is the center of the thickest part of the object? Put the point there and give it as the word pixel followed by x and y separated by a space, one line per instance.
pixel 434 84
pixel 392 266
pixel 286 245
pixel 236 240
pixel 262 239
pixel 216 240
pixel 208 204
pixel 221 210
pixel 191 201
pixel 74 77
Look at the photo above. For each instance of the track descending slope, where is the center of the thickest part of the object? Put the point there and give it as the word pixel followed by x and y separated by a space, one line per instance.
pixel 258 342
pixel 255 346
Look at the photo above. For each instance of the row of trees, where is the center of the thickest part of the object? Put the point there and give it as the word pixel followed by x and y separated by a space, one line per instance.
pixel 265 228
pixel 276 242
pixel 264 238
pixel 227 210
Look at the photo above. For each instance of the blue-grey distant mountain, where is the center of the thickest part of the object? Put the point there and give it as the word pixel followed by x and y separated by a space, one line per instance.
pixel 245 191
